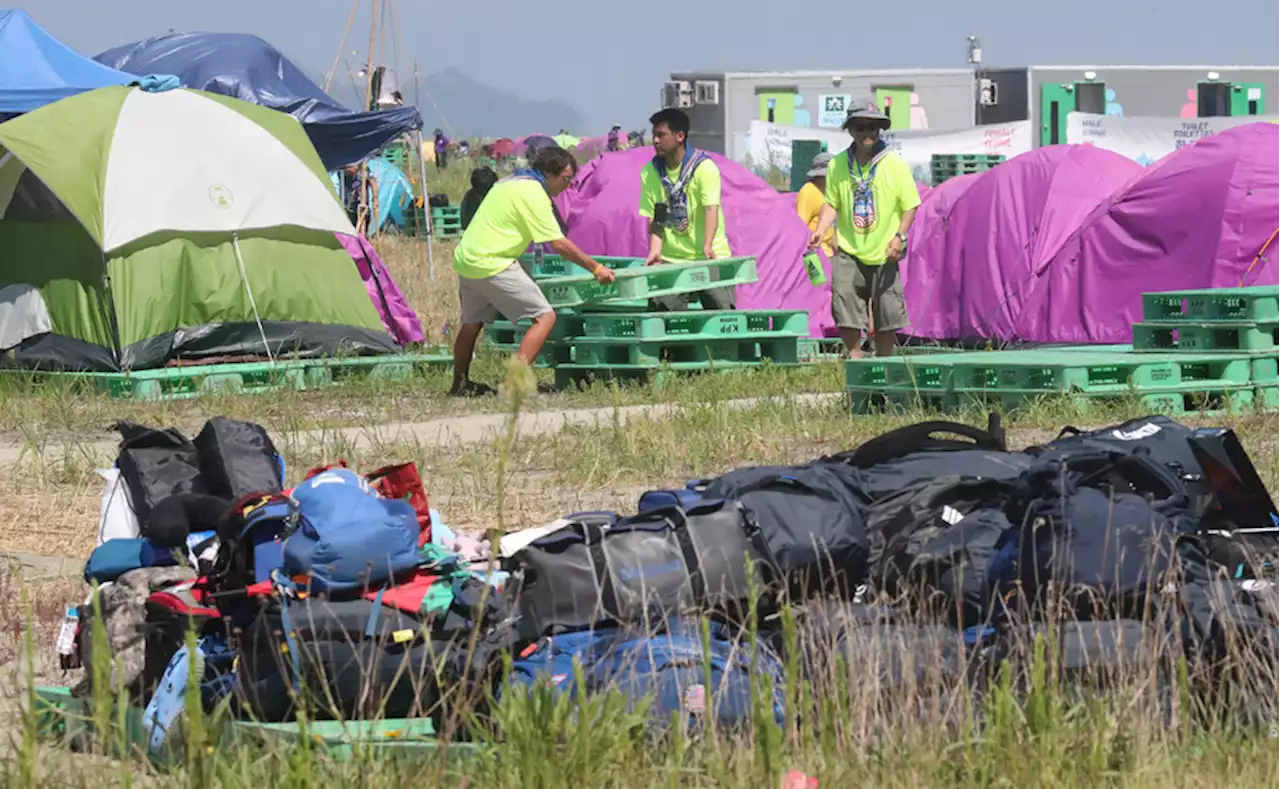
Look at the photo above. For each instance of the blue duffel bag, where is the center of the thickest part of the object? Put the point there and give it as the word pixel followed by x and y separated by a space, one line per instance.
pixel 668 667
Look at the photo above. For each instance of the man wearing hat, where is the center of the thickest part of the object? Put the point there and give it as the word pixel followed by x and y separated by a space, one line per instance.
pixel 612 143
pixel 871 199
pixel 811 197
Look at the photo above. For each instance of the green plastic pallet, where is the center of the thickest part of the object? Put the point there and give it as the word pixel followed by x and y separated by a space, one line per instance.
pixel 1186 400
pixel 508 333
pixel 775 346
pixel 1183 401
pixel 650 282
pixel 552 353
pixel 244 377
pixel 1188 336
pixel 68 719
pixel 930 372
pixel 573 375
pixel 556 266
pixel 1239 305
pixel 706 324
pixel 948 158
pixel 342 740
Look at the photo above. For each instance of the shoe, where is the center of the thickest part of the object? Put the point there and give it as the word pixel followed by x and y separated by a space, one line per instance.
pixel 473 389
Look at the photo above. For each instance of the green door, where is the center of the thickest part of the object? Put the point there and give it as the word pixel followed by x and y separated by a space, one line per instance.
pixel 898 101
pixel 1056 100
pixel 777 107
pixel 1248 98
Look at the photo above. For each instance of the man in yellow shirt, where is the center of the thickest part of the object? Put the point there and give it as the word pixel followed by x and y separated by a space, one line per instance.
pixel 871 199
pixel 810 199
pixel 516 212
pixel 680 196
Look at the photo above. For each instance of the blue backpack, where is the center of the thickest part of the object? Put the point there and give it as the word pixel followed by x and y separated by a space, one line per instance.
pixel 347 539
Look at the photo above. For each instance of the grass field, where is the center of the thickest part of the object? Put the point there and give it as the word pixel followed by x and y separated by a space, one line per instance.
pixel 925 734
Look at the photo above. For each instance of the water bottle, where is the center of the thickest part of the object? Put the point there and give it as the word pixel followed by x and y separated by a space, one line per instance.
pixel 66 643
pixel 813 266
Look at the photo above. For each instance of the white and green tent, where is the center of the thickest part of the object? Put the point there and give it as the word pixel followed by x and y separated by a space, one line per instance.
pixel 141 228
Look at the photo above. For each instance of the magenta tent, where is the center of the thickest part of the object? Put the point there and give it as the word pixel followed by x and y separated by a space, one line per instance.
pixel 979 240
pixel 601 207
pixel 1205 216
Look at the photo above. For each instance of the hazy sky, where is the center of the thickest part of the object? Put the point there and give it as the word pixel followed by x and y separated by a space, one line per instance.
pixel 610 59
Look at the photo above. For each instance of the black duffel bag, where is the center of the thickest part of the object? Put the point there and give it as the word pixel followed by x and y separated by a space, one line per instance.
pixel 923 451
pixel 811 521
pixel 660 562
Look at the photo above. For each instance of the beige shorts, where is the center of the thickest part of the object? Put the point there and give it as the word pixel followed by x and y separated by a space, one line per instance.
pixel 854 283
pixel 510 294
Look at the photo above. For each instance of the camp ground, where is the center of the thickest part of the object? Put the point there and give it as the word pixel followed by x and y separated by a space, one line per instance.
pixel 726 494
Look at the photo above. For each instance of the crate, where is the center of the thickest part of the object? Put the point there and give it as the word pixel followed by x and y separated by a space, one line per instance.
pixel 1234 305
pixel 773 346
pixel 1219 336
pixel 446 221
pixel 704 324
pixel 69 720
pixel 649 282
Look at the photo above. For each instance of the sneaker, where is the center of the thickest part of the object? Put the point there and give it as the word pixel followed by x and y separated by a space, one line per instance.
pixel 473 389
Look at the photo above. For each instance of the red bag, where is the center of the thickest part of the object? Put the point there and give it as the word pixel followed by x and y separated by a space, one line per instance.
pixel 402 481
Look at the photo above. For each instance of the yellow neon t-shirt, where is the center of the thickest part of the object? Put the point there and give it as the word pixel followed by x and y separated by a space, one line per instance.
pixel 515 214
pixel 865 226
pixel 703 191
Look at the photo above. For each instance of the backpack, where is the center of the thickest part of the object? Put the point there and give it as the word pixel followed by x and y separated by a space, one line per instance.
pixel 923 451
pixel 936 538
pixel 1164 439
pixel 1100 527
pixel 238 458
pixel 660 562
pixel 669 667
pixel 156 464
pixel 810 520
pixel 347 539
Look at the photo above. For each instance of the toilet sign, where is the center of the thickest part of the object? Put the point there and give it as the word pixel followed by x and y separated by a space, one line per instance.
pixel 833 109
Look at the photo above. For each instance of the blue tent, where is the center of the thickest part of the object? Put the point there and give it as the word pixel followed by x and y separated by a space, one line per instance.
pixel 37 69
pixel 248 68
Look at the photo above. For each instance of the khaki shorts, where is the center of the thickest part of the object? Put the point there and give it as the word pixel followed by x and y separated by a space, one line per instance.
pixel 853 284
pixel 510 294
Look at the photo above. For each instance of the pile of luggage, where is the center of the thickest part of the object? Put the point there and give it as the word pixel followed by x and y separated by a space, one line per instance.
pixel 931 554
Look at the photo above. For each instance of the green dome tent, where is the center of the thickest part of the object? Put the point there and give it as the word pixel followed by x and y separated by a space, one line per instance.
pixel 141 228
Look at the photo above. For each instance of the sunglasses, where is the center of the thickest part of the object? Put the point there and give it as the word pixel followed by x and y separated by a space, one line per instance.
pixel 864 127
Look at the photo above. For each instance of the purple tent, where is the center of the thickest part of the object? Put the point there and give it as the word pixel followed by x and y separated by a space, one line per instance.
pixel 976 253
pixel 1205 216
pixel 397 316
pixel 601 212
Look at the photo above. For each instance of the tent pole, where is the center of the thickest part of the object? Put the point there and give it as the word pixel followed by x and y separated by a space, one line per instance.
pixel 426 209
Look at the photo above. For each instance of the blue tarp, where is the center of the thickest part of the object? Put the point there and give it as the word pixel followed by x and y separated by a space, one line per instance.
pixel 37 69
pixel 250 69
pixel 395 193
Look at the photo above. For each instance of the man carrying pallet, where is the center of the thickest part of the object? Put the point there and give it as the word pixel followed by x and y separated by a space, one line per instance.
pixel 515 213
pixel 871 198
pixel 680 196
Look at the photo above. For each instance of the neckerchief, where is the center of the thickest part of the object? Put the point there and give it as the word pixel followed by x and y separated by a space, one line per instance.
pixel 863 205
pixel 677 198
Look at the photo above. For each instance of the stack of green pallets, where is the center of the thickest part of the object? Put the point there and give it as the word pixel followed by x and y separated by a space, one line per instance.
pixel 1195 351
pixel 446 221
pixel 606 331
pixel 943 166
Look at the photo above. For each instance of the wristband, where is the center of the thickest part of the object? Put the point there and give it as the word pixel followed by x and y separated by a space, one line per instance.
pixel 597 268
